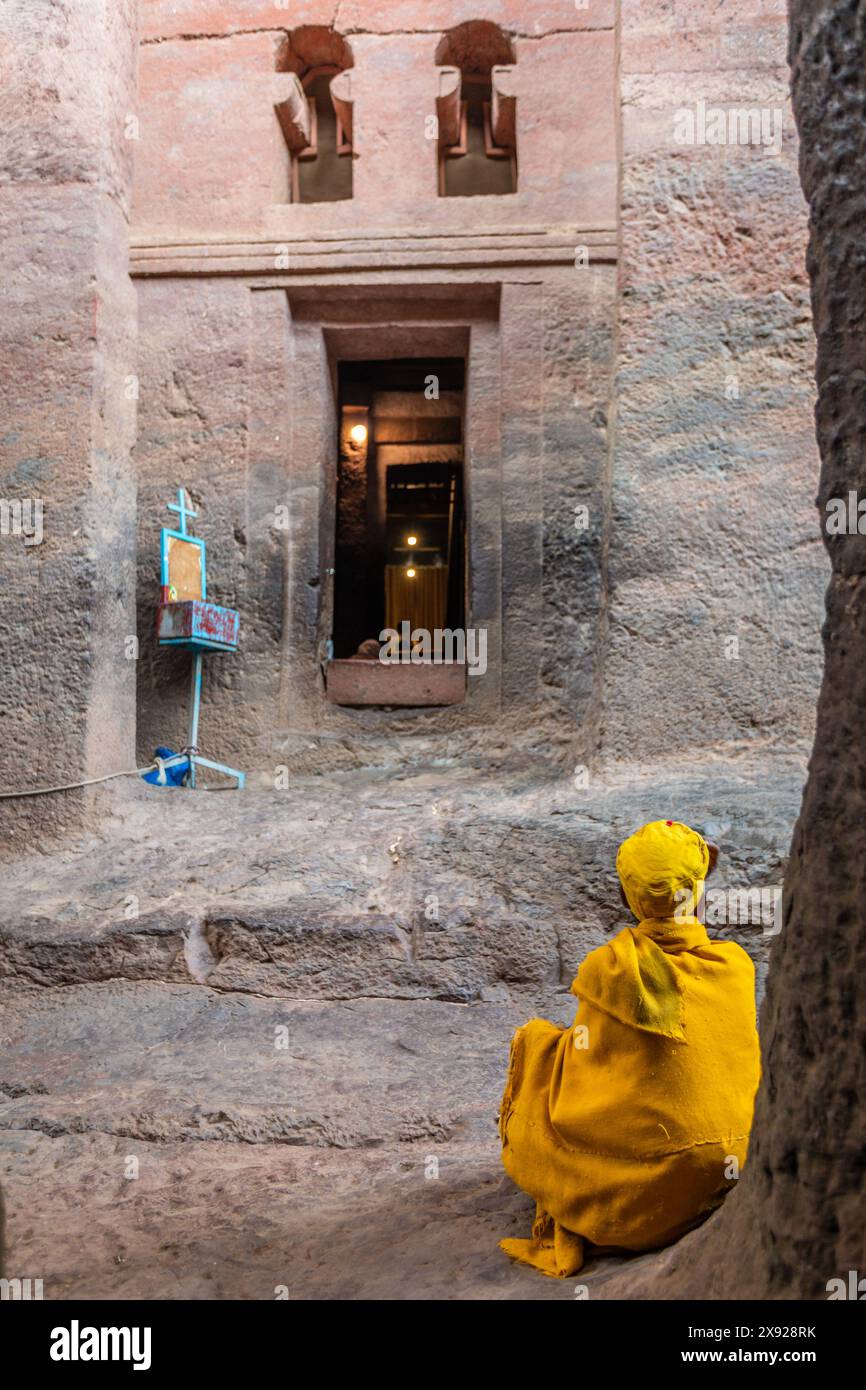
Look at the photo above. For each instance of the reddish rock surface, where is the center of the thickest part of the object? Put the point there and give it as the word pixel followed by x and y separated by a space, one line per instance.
pixel 391 932
pixel 67 399
pixel 635 326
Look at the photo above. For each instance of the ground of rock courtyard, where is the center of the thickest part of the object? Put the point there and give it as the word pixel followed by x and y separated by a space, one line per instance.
pixel 253 1043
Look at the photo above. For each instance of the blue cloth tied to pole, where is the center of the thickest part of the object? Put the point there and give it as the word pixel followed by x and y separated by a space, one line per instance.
pixel 172 771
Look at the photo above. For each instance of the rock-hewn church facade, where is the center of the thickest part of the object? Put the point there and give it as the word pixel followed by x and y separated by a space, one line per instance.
pixel 493 317
pixel 271 223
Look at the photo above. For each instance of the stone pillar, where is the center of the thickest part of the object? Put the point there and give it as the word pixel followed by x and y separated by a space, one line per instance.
pixel 67 400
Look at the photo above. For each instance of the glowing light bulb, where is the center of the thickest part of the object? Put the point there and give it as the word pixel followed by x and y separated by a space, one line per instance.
pixel 358 434
pixel 411 540
pixel 410 574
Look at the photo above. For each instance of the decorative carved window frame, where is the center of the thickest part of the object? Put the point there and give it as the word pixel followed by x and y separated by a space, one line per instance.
pixel 492 149
pixel 343 138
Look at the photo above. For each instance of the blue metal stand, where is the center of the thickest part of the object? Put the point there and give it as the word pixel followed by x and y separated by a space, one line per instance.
pixel 195 759
pixel 195 699
pixel 199 626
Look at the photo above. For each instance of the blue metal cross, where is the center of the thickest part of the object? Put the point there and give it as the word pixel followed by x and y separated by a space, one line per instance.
pixel 182 508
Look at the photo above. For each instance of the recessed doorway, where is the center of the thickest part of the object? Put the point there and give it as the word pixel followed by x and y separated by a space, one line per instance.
pixel 400 545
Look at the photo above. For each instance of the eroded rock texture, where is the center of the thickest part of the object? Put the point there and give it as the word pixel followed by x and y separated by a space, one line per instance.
pixel 715 566
pixel 258 1040
pixel 67 398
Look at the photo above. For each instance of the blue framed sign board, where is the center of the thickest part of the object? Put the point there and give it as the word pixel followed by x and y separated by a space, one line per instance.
pixel 186 619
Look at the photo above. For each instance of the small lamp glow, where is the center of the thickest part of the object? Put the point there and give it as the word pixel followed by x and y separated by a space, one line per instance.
pixel 411 540
pixel 410 574
pixel 358 434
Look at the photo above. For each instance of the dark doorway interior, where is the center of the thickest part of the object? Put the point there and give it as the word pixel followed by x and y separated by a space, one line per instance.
pixel 400 544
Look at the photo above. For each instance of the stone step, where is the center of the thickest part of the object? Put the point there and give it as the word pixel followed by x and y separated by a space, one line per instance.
pixel 168 1062
pixel 298 951
pixel 42 951
pixel 462 958
pixel 439 885
pixel 178 1153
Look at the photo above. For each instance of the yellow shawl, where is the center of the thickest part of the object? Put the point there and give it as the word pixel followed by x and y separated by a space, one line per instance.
pixel 628 1127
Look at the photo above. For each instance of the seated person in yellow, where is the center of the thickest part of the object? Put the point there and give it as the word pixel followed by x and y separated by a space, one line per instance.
pixel 630 1126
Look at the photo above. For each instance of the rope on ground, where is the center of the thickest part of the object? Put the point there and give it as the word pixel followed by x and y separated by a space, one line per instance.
pixel 90 781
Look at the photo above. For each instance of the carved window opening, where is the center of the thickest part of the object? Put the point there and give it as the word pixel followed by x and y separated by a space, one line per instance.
pixel 477 112
pixel 315 113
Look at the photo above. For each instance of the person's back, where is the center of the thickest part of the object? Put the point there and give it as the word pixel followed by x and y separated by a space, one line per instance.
pixel 628 1127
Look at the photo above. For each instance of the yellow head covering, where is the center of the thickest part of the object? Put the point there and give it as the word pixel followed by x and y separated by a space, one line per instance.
pixel 662 868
